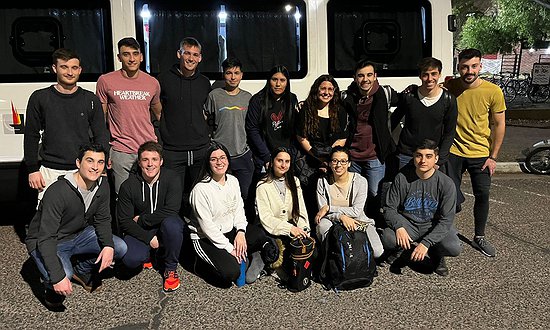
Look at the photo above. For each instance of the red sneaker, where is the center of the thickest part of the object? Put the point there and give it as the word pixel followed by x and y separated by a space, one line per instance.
pixel 148 265
pixel 171 280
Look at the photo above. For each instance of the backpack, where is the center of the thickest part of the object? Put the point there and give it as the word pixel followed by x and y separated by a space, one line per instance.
pixel 299 264
pixel 349 259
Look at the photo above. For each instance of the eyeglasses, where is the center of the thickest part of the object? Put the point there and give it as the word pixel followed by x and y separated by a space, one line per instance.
pixel 339 161
pixel 222 159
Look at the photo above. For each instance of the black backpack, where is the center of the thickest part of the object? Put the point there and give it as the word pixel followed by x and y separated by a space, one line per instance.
pixel 348 261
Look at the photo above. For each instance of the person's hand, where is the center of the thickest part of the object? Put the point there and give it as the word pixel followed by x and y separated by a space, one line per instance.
pixel 63 287
pixel 409 88
pixel 106 257
pixel 136 218
pixel 298 232
pixel 154 243
pixel 403 238
pixel 322 212
pixel 419 252
pixel 349 223
pixel 491 164
pixel 36 181
pixel 240 246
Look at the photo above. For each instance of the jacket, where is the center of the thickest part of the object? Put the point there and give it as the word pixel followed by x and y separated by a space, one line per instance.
pixel 152 203
pixel 61 216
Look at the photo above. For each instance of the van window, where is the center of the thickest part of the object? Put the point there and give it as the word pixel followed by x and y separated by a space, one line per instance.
pixel 394 34
pixel 32 30
pixel 261 34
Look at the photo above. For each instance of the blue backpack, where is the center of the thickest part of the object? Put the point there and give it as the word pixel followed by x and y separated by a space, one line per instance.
pixel 348 261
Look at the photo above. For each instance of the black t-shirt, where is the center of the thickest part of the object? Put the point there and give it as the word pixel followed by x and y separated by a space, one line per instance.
pixel 277 130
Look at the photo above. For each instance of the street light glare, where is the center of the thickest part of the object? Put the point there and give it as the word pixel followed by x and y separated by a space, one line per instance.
pixel 288 8
pixel 145 13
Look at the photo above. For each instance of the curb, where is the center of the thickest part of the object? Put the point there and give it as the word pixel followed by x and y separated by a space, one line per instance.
pixel 509 167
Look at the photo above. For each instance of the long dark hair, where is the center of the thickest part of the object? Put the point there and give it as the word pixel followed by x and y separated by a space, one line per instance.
pixel 289 179
pixel 311 119
pixel 267 99
pixel 205 174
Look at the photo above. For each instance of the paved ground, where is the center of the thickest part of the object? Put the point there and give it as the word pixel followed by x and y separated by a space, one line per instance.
pixel 506 292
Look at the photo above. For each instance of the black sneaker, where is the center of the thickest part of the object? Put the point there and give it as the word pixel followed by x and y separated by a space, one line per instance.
pixel 440 267
pixel 54 301
pixel 89 282
pixel 480 243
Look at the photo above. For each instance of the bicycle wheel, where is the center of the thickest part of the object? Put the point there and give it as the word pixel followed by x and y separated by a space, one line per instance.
pixel 538 93
pixel 509 93
pixel 538 161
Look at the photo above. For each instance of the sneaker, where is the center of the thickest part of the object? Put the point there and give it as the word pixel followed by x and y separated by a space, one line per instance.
pixel 53 301
pixel 440 266
pixel 255 268
pixel 148 265
pixel 89 282
pixel 480 243
pixel 171 280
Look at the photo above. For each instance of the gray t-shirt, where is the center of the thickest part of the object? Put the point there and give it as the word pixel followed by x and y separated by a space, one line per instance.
pixel 230 114
pixel 87 195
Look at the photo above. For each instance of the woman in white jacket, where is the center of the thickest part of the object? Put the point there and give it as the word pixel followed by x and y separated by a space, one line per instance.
pixel 341 198
pixel 280 202
pixel 219 230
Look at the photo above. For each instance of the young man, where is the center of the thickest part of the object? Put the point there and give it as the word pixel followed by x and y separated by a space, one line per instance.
pixel 147 211
pixel 227 109
pixel 66 113
pixel 74 219
pixel 183 127
pixel 479 134
pixel 430 113
pixel 370 140
pixel 420 209
pixel 127 97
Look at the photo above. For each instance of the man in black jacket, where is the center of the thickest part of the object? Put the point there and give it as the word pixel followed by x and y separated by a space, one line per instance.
pixel 73 219
pixel 183 127
pixel 370 141
pixel 147 211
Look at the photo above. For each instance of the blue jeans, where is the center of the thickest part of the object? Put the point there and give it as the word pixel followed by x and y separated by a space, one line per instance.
pixel 170 236
pixel 373 170
pixel 404 160
pixel 85 243
pixel 242 168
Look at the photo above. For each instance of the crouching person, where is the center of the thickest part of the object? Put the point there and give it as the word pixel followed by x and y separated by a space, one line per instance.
pixel 341 198
pixel 220 233
pixel 281 206
pixel 73 220
pixel 147 211
pixel 420 211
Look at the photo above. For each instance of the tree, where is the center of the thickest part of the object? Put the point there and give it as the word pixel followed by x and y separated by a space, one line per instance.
pixel 506 24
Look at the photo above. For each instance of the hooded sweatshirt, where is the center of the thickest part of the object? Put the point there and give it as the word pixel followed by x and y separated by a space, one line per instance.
pixel 63 214
pixel 151 202
pixel 183 126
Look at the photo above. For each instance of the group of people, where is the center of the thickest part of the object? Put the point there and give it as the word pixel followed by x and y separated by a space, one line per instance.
pixel 223 177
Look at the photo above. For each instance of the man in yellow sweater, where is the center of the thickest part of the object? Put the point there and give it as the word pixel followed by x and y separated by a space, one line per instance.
pixel 479 134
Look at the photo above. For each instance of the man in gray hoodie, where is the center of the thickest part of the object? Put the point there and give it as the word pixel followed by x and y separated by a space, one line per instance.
pixel 420 209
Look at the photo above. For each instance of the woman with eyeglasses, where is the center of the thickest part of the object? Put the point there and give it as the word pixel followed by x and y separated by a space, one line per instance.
pixel 279 200
pixel 270 117
pixel 341 198
pixel 220 233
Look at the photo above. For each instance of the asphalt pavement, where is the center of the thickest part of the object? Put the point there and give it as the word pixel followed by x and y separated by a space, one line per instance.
pixel 509 291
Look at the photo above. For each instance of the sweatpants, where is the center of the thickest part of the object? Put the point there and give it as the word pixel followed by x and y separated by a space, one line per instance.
pixel 170 236
pixel 448 246
pixel 121 165
pixel 218 265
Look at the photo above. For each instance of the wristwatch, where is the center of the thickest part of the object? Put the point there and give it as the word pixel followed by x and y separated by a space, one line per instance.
pixel 493 158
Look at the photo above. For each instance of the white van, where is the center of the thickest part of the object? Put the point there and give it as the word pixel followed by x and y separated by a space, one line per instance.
pixel 310 37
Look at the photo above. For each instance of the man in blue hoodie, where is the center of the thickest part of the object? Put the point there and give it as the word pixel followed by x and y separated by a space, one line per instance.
pixel 183 127
pixel 147 211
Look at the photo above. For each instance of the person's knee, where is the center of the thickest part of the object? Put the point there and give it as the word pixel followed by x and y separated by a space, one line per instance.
pixel 132 261
pixel 121 248
pixel 388 239
pixel 450 248
pixel 172 224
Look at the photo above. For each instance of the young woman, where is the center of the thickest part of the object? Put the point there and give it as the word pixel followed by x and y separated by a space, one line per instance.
pixel 270 117
pixel 220 233
pixel 341 198
pixel 322 121
pixel 321 125
pixel 280 201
